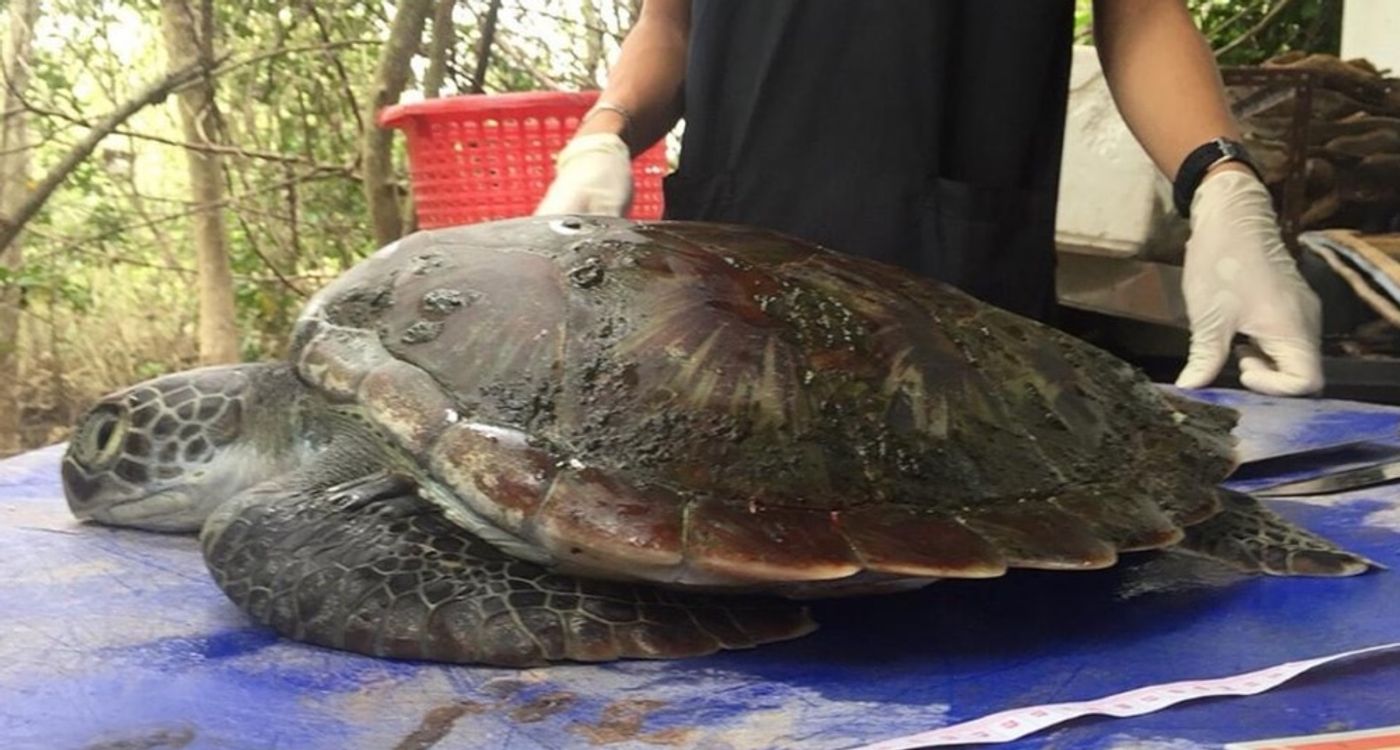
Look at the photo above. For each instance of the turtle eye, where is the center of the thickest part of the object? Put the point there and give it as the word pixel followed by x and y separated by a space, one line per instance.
pixel 100 439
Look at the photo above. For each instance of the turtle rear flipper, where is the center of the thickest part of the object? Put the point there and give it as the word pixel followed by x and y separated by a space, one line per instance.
pixel 368 566
pixel 1249 536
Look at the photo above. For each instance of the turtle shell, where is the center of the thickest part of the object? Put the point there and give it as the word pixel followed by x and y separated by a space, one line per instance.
pixel 715 405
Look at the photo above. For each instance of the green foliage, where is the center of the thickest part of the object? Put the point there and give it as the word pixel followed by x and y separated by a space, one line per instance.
pixel 1251 32
pixel 43 284
pixel 151 368
pixel 1248 32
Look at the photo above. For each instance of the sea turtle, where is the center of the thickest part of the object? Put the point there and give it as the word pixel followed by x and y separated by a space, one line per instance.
pixel 584 438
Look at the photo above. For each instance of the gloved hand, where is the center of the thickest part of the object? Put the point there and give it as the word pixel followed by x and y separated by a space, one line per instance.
pixel 594 176
pixel 1239 277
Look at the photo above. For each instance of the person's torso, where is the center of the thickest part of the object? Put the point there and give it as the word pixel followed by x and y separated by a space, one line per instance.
pixel 859 124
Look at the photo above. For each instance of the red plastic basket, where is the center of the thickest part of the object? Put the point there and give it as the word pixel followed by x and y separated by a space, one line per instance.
pixel 491 156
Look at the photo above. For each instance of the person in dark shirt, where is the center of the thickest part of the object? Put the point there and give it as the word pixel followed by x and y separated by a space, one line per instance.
pixel 927 134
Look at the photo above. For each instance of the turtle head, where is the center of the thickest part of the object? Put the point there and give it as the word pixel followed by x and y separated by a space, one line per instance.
pixel 161 455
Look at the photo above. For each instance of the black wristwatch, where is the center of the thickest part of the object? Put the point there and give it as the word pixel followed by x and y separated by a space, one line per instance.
pixel 1198 162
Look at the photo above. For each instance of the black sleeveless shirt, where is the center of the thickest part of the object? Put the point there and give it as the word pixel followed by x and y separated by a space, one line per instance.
pixel 923 133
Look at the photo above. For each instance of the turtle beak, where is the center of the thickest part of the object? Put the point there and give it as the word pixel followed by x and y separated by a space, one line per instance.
pixel 80 488
pixel 170 503
pixel 170 510
pixel 94 496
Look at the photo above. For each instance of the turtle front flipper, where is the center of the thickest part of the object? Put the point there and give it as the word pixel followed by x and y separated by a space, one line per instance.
pixel 368 566
pixel 1249 536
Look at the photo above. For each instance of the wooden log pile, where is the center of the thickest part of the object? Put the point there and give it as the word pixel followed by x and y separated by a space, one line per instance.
pixel 1350 140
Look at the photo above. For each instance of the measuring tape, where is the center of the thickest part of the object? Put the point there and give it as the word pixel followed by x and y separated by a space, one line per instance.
pixel 1016 723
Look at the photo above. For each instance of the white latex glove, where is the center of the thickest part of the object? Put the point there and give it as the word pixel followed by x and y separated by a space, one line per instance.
pixel 594 176
pixel 1239 277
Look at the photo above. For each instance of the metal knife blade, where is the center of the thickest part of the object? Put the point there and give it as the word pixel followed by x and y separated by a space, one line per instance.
pixel 1248 452
pixel 1347 479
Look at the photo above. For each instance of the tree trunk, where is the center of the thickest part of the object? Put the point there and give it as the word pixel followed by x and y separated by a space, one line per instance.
pixel 444 37
pixel 593 37
pixel 483 46
pixel 14 178
pixel 188 39
pixel 381 194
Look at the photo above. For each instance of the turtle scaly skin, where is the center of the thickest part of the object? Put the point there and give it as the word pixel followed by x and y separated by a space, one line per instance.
pixel 585 438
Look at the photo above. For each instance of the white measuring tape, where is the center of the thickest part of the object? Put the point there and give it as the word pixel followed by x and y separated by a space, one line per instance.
pixel 1016 723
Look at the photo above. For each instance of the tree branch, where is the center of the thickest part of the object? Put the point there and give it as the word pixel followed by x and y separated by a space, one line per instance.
pixel 230 200
pixel 349 91
pixel 10 226
pixel 153 93
pixel 523 62
pixel 1253 31
pixel 225 66
pixel 202 147
pixel 126 260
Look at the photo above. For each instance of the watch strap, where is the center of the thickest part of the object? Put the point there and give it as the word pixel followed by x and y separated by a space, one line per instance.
pixel 1199 161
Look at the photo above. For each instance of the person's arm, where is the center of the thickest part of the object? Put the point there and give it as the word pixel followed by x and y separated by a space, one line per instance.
pixel 594 170
pixel 1163 77
pixel 647 77
pixel 1238 276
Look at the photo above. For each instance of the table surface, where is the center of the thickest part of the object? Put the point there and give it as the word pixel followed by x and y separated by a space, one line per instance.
pixel 115 638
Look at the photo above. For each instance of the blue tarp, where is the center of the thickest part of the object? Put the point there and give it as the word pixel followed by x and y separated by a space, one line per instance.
pixel 117 638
